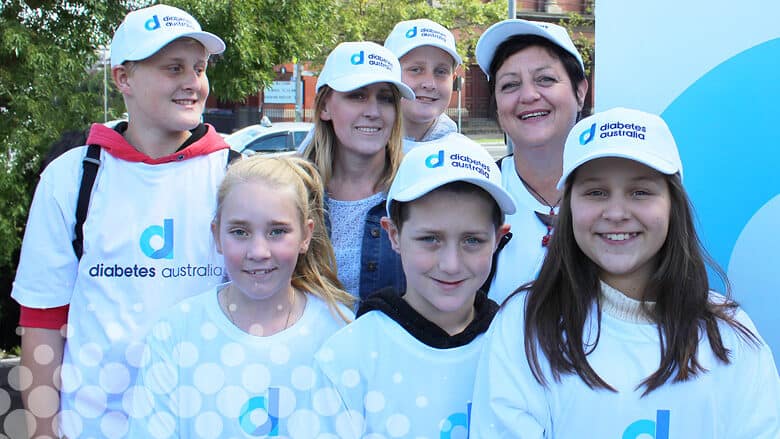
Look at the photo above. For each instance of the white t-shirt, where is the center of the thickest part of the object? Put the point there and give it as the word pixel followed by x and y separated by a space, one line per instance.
pixel 120 287
pixel 740 400
pixel 206 378
pixel 520 260
pixel 381 382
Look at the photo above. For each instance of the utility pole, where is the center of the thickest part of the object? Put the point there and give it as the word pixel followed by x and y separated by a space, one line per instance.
pixel 298 91
pixel 512 15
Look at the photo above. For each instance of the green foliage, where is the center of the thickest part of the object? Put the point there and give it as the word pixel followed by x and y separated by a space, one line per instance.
pixel 372 20
pixel 44 53
pixel 575 23
pixel 260 34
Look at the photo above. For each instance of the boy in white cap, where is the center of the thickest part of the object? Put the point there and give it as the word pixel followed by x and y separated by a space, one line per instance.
pixel 620 336
pixel 428 59
pixel 143 246
pixel 405 367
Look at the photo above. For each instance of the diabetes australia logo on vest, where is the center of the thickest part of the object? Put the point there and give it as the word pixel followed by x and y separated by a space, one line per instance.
pixel 613 129
pixel 156 243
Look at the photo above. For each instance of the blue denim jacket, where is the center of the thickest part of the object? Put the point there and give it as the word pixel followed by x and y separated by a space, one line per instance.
pixel 380 265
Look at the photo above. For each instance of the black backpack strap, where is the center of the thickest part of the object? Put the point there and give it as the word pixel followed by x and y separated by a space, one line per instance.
pixel 91 164
pixel 233 155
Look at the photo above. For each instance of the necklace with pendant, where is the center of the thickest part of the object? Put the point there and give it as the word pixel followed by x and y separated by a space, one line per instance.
pixel 549 219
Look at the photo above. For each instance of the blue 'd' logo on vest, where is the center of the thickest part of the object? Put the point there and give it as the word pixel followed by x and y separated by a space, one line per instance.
pixel 435 160
pixel 455 420
pixel 411 33
pixel 271 406
pixel 358 58
pixel 658 429
pixel 588 135
pixel 152 23
pixel 166 233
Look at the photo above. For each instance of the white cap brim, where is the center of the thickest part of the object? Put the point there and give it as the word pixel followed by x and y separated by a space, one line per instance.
pixel 444 47
pixel 213 44
pixel 354 82
pixel 498 33
pixel 653 161
pixel 504 200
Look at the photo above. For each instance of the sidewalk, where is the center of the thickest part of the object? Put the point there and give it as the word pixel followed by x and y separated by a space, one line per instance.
pixel 493 143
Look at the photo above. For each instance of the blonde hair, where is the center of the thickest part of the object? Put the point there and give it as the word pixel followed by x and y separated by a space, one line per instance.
pixel 321 150
pixel 315 271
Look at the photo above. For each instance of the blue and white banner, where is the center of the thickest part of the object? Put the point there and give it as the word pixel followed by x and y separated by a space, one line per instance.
pixel 712 71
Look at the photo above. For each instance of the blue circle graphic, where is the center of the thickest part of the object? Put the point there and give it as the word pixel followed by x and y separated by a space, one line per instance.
pixel 726 125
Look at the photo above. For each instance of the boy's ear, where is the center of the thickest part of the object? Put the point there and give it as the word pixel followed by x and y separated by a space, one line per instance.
pixel 215 235
pixel 502 230
pixel 392 232
pixel 308 231
pixel 120 75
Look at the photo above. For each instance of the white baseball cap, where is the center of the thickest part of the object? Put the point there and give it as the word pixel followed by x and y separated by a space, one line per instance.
pixel 145 31
pixel 503 30
pixel 624 133
pixel 356 64
pixel 411 34
pixel 452 158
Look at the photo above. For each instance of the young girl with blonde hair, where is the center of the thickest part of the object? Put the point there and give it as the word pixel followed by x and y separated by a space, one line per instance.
pixel 236 359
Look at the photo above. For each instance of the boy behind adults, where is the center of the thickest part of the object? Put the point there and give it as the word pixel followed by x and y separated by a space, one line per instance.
pixel 428 57
pixel 405 367
pixel 143 247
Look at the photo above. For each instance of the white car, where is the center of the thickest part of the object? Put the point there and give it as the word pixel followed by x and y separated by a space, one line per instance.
pixel 267 138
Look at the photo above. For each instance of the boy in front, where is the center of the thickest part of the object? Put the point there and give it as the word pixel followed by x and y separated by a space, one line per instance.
pixel 405 367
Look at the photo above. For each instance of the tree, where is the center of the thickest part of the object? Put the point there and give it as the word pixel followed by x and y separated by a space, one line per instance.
pixel 575 23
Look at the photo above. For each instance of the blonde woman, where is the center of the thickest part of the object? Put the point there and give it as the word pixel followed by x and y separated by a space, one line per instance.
pixel 357 148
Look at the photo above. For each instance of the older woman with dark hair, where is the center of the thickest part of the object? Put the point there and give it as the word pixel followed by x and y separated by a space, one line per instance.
pixel 538 86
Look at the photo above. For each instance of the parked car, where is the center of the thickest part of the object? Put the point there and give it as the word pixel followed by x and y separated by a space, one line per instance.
pixel 267 138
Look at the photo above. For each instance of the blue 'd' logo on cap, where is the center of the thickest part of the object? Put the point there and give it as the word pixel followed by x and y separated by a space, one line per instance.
pixel 152 23
pixel 588 135
pixel 411 33
pixel 435 160
pixel 358 58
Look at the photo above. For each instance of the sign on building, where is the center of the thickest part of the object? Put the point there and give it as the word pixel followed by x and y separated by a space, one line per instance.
pixel 280 92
